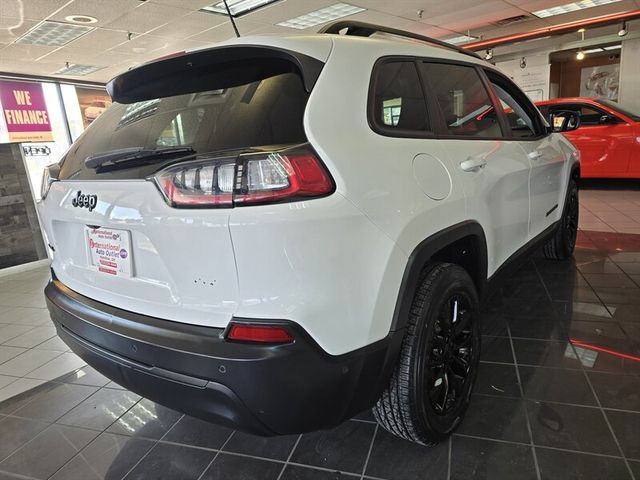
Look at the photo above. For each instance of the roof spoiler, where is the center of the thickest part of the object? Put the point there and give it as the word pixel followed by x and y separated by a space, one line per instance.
pixel 218 67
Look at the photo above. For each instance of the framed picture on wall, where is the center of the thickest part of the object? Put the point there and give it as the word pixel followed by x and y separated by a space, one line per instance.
pixel 600 82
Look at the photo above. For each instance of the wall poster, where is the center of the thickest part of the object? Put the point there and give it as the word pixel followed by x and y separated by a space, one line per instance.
pixel 600 82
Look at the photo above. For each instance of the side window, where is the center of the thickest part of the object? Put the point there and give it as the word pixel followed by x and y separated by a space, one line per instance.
pixel 464 102
pixel 398 100
pixel 521 115
pixel 589 116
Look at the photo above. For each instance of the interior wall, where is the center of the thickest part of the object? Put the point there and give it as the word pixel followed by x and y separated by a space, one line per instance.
pixel 630 74
pixel 20 237
pixel 567 74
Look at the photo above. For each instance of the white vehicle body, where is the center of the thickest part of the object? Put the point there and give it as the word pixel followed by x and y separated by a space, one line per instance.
pixel 333 265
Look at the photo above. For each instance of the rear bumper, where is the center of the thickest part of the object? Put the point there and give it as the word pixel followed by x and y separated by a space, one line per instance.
pixel 262 389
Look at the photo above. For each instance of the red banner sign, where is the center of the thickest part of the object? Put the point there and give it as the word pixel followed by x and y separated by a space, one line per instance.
pixel 25 112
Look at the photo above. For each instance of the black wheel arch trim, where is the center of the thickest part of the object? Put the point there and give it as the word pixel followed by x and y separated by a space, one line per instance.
pixel 425 251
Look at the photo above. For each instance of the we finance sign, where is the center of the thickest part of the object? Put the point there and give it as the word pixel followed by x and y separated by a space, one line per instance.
pixel 25 112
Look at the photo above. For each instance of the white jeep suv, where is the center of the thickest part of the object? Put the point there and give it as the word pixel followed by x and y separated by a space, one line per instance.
pixel 276 234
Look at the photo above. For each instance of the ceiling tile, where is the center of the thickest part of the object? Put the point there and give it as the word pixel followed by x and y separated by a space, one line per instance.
pixel 87 57
pixel 143 44
pixel 222 32
pixel 188 4
pixel 11 28
pixel 104 10
pixel 285 10
pixel 147 16
pixel 16 51
pixel 189 25
pixel 105 38
pixel 30 9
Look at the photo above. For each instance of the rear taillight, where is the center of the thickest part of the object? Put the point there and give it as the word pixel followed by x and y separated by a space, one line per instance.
pixel 250 179
pixel 259 333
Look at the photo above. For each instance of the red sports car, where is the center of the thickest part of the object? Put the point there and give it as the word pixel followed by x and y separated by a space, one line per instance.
pixel 608 137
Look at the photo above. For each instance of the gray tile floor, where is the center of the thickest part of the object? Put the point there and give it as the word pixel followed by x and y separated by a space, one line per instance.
pixel 557 396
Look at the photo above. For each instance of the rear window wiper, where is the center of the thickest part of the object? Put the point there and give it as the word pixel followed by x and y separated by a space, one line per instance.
pixel 134 155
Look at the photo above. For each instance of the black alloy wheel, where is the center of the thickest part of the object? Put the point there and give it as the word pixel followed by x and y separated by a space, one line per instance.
pixel 448 364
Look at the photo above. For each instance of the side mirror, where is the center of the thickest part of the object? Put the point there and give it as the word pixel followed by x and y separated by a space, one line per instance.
pixel 607 119
pixel 565 121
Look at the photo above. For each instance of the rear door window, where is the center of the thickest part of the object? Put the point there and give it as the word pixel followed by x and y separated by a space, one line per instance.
pixel 398 103
pixel 464 103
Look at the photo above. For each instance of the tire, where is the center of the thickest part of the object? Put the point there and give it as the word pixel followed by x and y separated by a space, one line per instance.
pixel 563 242
pixel 430 354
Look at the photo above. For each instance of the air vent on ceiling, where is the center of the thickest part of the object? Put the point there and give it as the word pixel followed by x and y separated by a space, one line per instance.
pixel 54 34
pixel 510 20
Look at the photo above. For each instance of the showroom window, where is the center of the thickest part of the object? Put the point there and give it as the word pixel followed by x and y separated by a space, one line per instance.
pixel 463 100
pixel 399 103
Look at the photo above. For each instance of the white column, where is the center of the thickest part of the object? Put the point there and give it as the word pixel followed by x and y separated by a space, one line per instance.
pixel 629 94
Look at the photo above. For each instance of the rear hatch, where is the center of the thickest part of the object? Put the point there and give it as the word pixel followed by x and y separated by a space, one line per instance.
pixel 122 233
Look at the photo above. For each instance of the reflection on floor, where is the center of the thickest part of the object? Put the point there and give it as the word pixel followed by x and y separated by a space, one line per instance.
pixel 558 394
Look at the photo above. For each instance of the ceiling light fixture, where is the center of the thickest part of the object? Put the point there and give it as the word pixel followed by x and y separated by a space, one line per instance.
pixel 460 39
pixel 613 47
pixel 623 31
pixel 580 55
pixel 53 34
pixel 324 15
pixel 593 50
pixel 237 7
pixel 571 7
pixel 488 54
pixel 77 69
pixel 82 19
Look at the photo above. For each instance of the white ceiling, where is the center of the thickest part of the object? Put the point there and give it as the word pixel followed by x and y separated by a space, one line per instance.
pixel 161 27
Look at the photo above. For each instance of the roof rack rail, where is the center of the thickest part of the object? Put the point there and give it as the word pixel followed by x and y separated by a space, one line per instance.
pixel 362 29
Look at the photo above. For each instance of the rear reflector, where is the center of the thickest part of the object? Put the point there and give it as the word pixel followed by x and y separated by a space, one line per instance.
pixel 250 179
pixel 259 333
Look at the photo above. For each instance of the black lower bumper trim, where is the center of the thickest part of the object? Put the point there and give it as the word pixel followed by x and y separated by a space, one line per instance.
pixel 262 389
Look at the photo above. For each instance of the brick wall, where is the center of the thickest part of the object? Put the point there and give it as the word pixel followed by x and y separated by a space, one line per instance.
pixel 20 237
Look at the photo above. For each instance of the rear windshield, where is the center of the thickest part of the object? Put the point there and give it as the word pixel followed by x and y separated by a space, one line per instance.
pixel 267 111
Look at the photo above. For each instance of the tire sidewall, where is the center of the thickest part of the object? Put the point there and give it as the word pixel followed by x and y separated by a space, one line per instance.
pixel 454 280
pixel 568 244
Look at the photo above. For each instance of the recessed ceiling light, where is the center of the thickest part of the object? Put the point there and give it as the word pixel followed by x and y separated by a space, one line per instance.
pixel 613 47
pixel 237 7
pixel 571 7
pixel 53 34
pixel 83 19
pixel 77 69
pixel 324 15
pixel 460 39
pixel 593 50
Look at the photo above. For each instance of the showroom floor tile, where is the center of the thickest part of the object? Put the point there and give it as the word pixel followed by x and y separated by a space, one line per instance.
pixel 557 394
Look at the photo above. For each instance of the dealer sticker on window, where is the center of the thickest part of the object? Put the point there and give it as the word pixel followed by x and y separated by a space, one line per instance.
pixel 109 251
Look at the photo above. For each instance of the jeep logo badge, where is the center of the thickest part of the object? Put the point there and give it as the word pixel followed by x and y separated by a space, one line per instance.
pixel 84 200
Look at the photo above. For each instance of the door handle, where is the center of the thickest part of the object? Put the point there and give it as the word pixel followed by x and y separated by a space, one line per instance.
pixel 473 164
pixel 535 155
